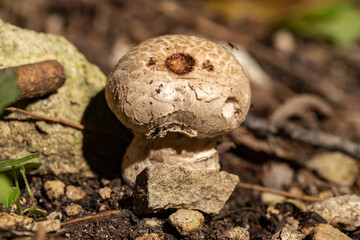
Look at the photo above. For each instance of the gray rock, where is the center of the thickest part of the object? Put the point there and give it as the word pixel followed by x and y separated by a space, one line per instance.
pixel 54 189
pixel 63 149
pixel 335 167
pixel 75 193
pixel 327 232
pixel 238 233
pixel 339 211
pixel 187 221
pixel 169 187
pixel 48 225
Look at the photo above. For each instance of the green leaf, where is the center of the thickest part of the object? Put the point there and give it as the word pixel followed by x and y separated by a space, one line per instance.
pixel 8 193
pixel 8 90
pixel 14 163
pixel 337 22
pixel 28 167
pixel 37 211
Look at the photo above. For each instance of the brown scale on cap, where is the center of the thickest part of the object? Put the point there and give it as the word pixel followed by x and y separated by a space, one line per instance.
pixel 180 63
pixel 208 65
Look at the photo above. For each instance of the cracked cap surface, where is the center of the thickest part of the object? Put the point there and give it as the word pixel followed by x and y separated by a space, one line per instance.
pixel 179 83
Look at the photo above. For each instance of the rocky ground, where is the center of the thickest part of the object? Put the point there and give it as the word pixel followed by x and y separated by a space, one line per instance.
pixel 296 155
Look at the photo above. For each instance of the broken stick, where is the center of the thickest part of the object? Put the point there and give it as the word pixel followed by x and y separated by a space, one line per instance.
pixel 296 132
pixel 38 79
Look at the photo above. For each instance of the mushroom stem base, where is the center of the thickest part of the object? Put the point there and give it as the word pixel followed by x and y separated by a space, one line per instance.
pixel 174 149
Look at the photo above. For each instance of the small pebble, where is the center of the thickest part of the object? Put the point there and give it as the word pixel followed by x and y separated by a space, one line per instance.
pixel 102 207
pixel 73 209
pixel 284 41
pixel 75 193
pixel 186 221
pixel 54 215
pixel 238 233
pixel 105 192
pixel 149 236
pixel 54 189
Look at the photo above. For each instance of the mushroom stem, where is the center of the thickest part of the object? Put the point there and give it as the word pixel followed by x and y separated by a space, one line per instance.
pixel 174 149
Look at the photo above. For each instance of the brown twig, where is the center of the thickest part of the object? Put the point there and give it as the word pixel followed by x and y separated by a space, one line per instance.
pixel 38 79
pixel 279 192
pixel 219 217
pixel 296 132
pixel 62 122
pixel 92 217
pixel 46 118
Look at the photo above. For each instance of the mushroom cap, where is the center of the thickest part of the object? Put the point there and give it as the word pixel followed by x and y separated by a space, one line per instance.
pixel 179 83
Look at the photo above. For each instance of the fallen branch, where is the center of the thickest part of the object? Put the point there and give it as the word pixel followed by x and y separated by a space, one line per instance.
pixel 279 192
pixel 38 79
pixel 296 132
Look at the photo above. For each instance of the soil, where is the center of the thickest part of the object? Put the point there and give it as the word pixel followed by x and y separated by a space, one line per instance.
pixel 97 29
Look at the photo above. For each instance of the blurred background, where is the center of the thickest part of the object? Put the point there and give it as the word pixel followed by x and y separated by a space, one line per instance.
pixel 289 47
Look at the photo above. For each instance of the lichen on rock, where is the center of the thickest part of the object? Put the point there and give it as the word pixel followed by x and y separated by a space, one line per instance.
pixel 61 147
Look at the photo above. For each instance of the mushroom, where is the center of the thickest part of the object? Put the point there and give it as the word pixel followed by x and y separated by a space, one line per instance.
pixel 177 93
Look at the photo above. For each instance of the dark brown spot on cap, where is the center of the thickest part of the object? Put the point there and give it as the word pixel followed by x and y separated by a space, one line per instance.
pixel 180 63
pixel 208 66
pixel 151 62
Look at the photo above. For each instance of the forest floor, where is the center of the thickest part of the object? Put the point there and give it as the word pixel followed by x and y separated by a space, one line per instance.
pixel 308 106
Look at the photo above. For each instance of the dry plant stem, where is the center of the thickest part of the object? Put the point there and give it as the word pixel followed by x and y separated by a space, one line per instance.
pixel 62 122
pixel 46 118
pixel 38 79
pixel 93 217
pixel 219 217
pixel 313 137
pixel 279 192
pixel 323 87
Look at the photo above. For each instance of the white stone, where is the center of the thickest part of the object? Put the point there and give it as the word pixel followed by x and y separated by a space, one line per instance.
pixel 186 221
